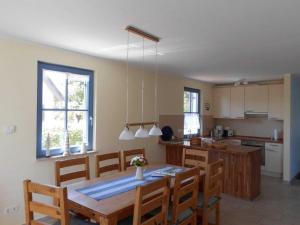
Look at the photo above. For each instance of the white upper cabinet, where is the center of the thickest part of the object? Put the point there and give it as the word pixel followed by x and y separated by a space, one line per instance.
pixel 221 102
pixel 237 102
pixel 256 98
pixel 276 101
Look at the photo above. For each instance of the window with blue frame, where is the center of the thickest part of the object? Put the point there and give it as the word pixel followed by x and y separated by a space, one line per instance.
pixel 64 104
pixel 191 107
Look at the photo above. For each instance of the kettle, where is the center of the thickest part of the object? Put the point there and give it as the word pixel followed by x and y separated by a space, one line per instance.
pixel 275 134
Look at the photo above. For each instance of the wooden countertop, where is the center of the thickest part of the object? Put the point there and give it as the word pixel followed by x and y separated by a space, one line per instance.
pixel 236 149
pixel 263 139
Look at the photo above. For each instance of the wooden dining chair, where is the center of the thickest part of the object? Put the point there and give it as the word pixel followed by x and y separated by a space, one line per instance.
pixel 54 213
pixel 185 197
pixel 211 197
pixel 195 157
pixel 61 164
pixel 107 168
pixel 131 153
pixel 152 197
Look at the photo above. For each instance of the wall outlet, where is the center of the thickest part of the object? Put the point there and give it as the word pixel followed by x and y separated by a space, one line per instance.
pixel 12 210
pixel 9 129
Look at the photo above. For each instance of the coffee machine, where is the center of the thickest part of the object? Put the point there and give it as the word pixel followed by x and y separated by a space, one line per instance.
pixel 219 131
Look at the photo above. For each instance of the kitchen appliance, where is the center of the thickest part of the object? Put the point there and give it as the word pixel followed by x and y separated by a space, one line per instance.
pixel 228 132
pixel 167 133
pixel 260 144
pixel 275 134
pixel 219 131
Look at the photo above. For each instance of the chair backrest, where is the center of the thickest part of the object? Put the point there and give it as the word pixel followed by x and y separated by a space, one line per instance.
pixel 195 157
pixel 107 168
pixel 185 195
pixel 150 198
pixel 32 206
pixel 213 180
pixel 131 153
pixel 85 173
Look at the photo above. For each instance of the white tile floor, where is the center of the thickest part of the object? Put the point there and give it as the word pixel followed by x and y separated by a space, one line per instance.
pixel 278 204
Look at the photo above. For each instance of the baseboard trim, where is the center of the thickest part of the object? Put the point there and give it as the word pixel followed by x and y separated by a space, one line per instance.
pixel 271 174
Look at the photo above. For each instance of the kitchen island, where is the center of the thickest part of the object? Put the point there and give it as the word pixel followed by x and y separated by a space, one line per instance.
pixel 241 166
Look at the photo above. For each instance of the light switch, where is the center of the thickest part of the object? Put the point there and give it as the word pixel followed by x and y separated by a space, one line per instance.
pixel 9 129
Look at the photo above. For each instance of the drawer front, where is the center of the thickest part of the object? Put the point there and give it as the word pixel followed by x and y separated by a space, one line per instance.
pixel 274 147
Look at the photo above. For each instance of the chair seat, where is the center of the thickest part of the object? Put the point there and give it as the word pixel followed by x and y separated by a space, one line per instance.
pixel 212 201
pixel 126 221
pixel 74 220
pixel 182 216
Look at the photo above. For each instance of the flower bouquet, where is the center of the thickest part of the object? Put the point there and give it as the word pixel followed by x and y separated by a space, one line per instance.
pixel 139 162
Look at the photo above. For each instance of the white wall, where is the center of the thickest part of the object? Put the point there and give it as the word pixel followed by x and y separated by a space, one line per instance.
pixel 18 87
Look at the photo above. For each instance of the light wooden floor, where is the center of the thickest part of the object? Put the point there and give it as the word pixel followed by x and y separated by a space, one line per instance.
pixel 279 204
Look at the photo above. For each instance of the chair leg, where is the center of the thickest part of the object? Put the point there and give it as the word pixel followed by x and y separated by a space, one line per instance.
pixel 194 219
pixel 205 217
pixel 218 213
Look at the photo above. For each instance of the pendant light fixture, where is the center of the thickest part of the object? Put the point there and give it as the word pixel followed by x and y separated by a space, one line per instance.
pixel 142 132
pixel 155 130
pixel 127 134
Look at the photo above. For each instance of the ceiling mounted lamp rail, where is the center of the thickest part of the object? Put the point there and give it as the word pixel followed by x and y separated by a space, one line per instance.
pixel 142 132
pixel 142 33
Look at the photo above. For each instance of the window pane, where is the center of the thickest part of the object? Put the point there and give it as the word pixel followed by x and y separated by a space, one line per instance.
pixel 54 125
pixel 77 128
pixel 194 102
pixel 77 91
pixel 191 123
pixel 54 87
pixel 186 102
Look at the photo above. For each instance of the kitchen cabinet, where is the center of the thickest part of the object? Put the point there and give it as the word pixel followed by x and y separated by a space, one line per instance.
pixel 221 102
pixel 274 159
pixel 276 102
pixel 256 98
pixel 237 102
pixel 230 142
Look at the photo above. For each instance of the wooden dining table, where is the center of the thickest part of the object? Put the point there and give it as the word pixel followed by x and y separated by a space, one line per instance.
pixel 110 210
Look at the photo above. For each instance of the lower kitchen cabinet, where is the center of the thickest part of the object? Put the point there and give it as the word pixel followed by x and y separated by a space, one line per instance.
pixel 174 154
pixel 274 159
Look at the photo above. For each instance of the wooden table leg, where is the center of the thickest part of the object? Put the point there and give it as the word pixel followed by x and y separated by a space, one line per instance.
pixel 108 220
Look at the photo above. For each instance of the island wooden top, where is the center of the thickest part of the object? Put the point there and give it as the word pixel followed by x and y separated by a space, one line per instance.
pixel 233 149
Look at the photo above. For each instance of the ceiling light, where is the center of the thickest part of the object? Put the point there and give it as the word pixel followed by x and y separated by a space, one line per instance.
pixel 141 132
pixel 126 134
pixel 155 130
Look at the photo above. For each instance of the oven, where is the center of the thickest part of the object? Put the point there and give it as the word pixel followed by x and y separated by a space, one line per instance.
pixel 260 144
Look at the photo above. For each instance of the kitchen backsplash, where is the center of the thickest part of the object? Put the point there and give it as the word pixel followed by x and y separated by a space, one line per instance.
pixel 256 126
pixel 174 121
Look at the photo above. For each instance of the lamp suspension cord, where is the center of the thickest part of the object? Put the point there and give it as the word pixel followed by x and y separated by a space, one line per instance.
pixel 143 80
pixel 127 79
pixel 155 86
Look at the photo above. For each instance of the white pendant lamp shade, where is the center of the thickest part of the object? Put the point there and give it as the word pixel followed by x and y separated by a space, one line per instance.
pixel 126 134
pixel 155 131
pixel 141 133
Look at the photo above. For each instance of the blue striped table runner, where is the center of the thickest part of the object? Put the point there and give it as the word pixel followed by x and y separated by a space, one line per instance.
pixel 103 190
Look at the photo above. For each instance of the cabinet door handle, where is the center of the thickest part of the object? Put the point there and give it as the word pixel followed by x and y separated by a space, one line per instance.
pixel 274 145
pixel 271 150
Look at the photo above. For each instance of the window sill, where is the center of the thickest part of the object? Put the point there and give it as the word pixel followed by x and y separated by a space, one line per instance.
pixel 74 155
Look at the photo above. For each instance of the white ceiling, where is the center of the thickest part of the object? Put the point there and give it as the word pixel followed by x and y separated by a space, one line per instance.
pixel 209 40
